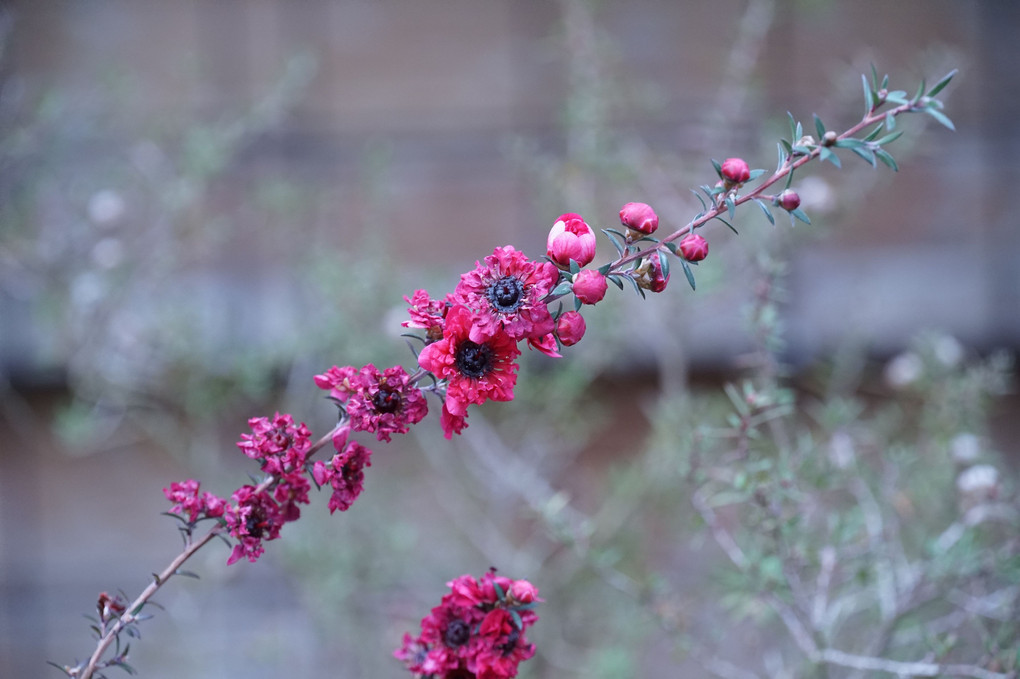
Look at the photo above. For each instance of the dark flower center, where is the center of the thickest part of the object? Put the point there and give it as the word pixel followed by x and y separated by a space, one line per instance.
pixel 511 642
pixel 386 400
pixel 473 360
pixel 457 633
pixel 280 438
pixel 506 294
pixel 256 522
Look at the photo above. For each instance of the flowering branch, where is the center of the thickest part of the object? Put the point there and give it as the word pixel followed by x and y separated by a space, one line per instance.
pixel 471 341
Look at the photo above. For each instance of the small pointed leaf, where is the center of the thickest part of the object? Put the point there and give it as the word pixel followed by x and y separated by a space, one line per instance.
pixel 866 154
pixel 728 224
pixel 942 83
pixel 755 174
pixel 884 156
pixel 663 263
pixel 889 138
pixel 765 209
pixel 688 273
pixel 826 154
pixel 819 126
pixel 941 117
pixel 799 214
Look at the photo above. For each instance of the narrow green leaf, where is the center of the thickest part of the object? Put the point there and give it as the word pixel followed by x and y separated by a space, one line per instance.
pixel 819 127
pixel 697 195
pixel 500 594
pixel 890 122
pixel 575 268
pixel 637 287
pixel 866 154
pixel 688 273
pixel 616 244
pixel 561 289
pixel 187 574
pixel 800 131
pixel 671 246
pixel 793 127
pixel 615 279
pixel 789 179
pixel 731 207
pixel 885 82
pixel 799 214
pixel 604 269
pixel 884 156
pixel 941 117
pixel 765 209
pixel 782 157
pixel 938 87
pixel 828 155
pixel 577 304
pixel 787 146
pixel 801 150
pixel 755 174
pixel 850 143
pixel 874 133
pixel 729 225
pixel 869 102
pixel 718 167
pixel 874 75
pixel 889 138
pixel 664 263
pixel 920 91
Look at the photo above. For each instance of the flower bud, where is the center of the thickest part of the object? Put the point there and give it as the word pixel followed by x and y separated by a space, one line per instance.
pixel 590 286
pixel 639 217
pixel 789 200
pixel 693 247
pixel 570 328
pixel 522 590
pixel 571 239
pixel 735 170
pixel 649 275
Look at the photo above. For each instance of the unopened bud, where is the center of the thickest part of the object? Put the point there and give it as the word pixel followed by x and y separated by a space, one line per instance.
pixel 693 247
pixel 639 217
pixel 590 286
pixel 735 170
pixel 789 200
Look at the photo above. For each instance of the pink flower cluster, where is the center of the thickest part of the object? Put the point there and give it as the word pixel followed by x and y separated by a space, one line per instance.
pixel 477 630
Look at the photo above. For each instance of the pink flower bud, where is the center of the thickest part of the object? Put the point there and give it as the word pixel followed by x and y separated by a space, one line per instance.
pixel 570 328
pixel 571 239
pixel 693 247
pixel 522 590
pixel 639 217
pixel 590 286
pixel 789 200
pixel 735 170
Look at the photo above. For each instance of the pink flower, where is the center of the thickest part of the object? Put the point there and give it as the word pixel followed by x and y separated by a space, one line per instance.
pixel 476 371
pixel 524 592
pixel 590 286
pixel 382 402
pixel 427 313
pixel 570 328
pixel 789 200
pixel 338 382
pixel 650 274
pixel 345 474
pixel 506 293
pixel 252 518
pixel 412 653
pixel 292 489
pixel 187 501
pixel 639 217
pixel 735 171
pixel 278 443
pixel 571 239
pixel 448 630
pixel 693 247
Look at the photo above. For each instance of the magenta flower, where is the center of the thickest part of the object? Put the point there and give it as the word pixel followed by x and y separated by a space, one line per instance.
pixel 381 402
pixel 252 518
pixel 477 630
pixel 640 217
pixel 570 328
pixel 571 239
pixel 476 371
pixel 427 313
pixel 187 501
pixel 506 293
pixel 345 474
pixel 590 286
pixel 280 444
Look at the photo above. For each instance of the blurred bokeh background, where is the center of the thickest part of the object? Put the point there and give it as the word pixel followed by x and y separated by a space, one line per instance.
pixel 203 204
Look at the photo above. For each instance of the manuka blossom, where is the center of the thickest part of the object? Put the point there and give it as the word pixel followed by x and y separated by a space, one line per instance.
pixel 381 402
pixel 570 328
pixel 187 501
pixel 252 518
pixel 345 474
pixel 735 171
pixel 506 293
pixel 427 313
pixel 281 445
pixel 477 630
pixel 475 370
pixel 589 286
pixel 639 217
